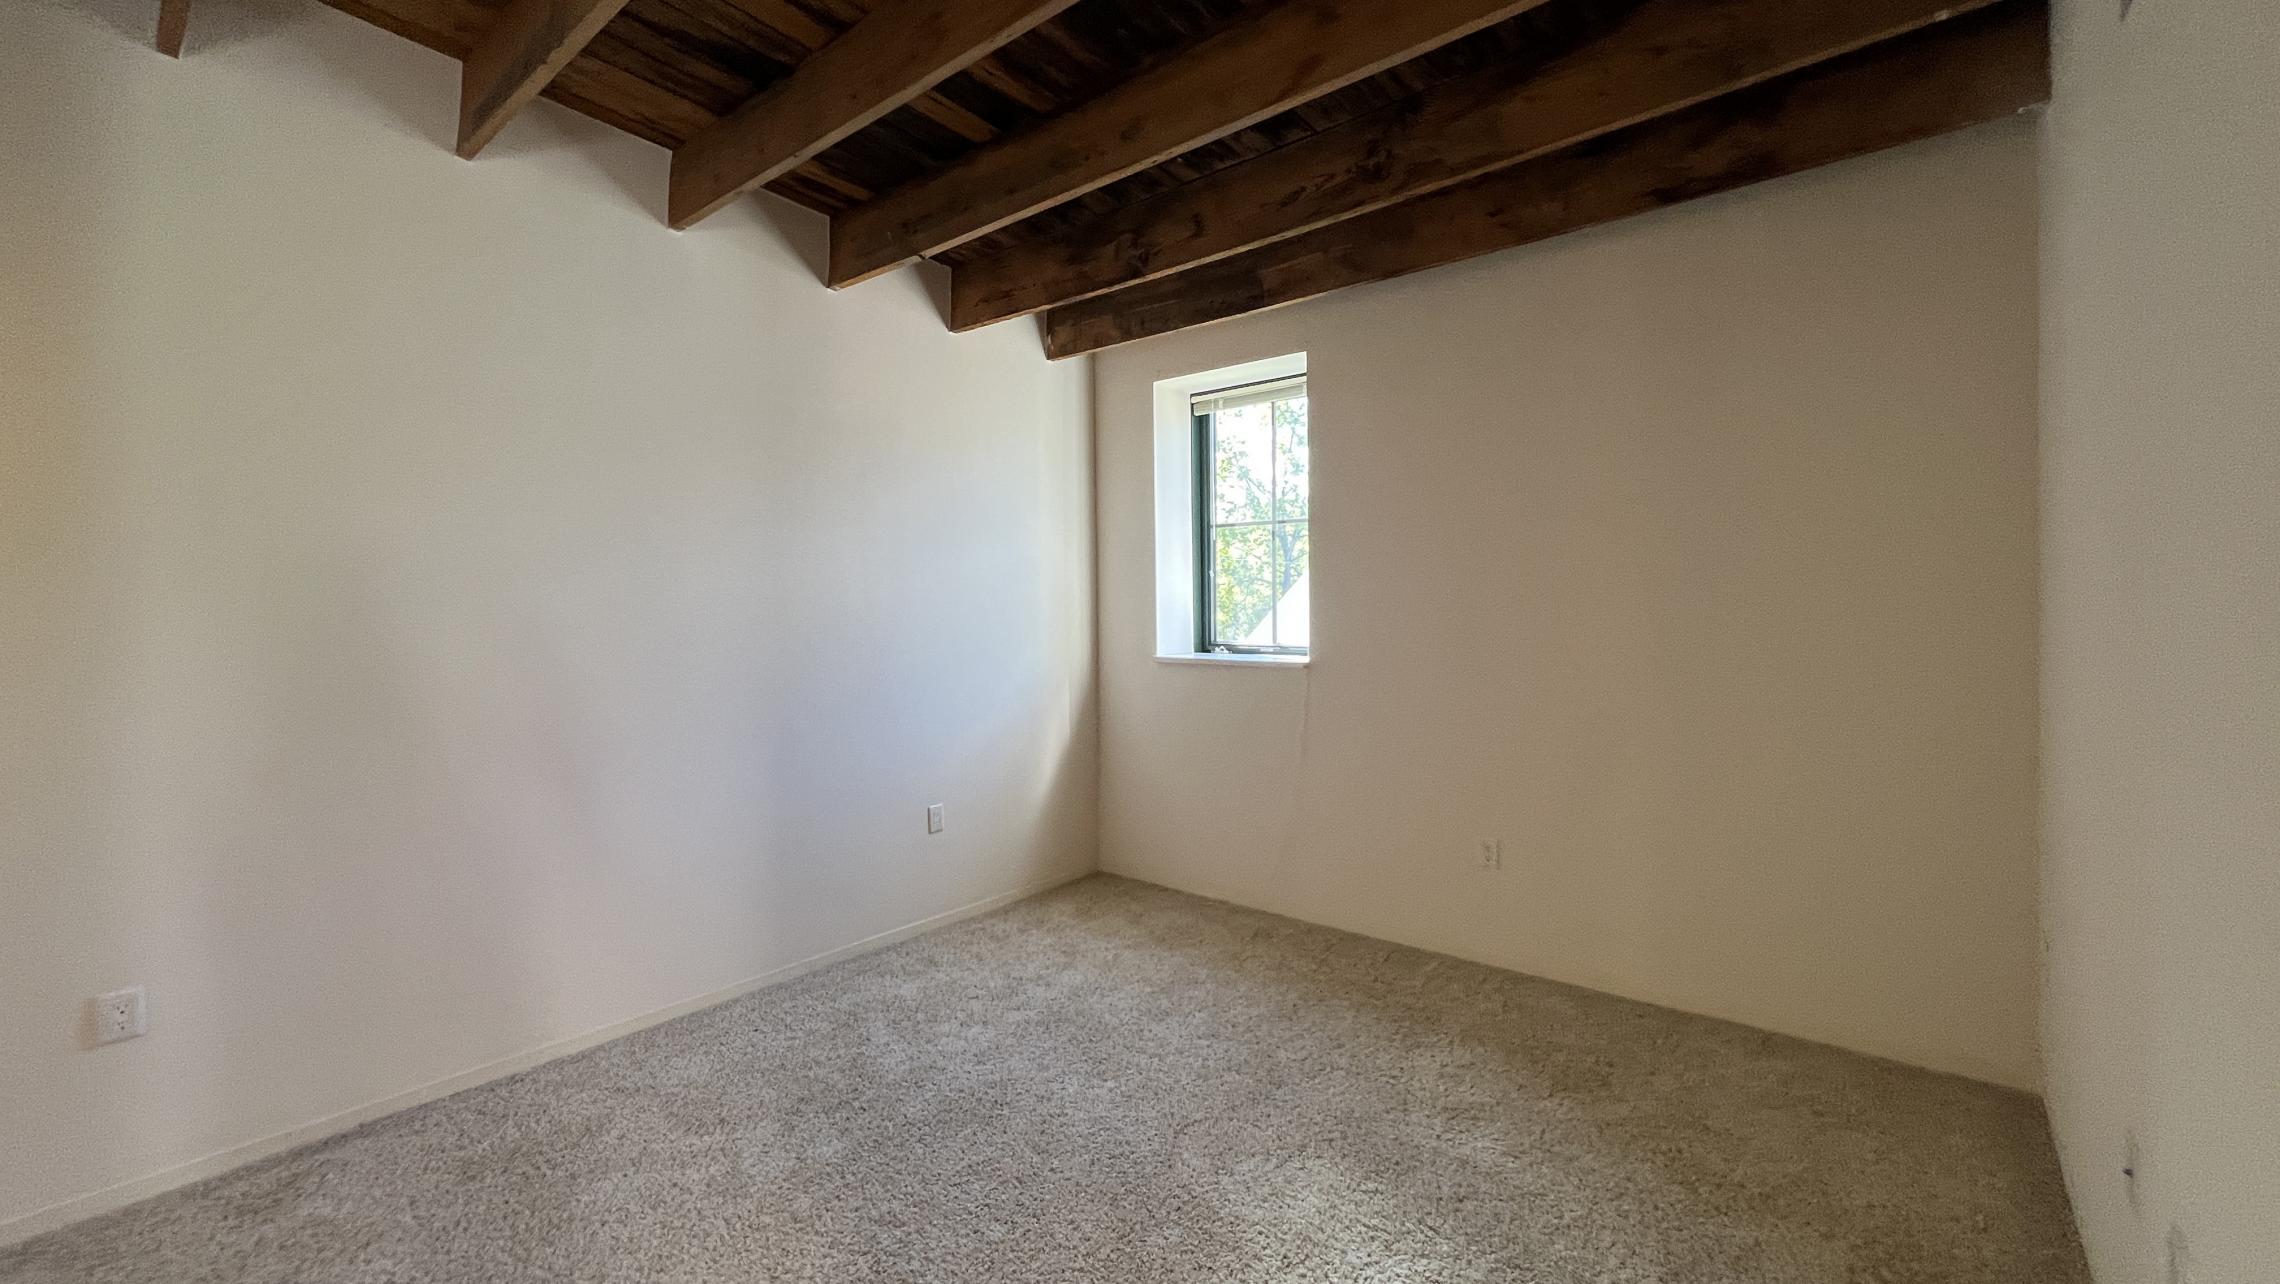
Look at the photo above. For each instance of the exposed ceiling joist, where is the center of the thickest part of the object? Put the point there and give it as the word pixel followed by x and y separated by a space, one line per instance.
pixel 173 25
pixel 1665 56
pixel 1285 55
pixel 1956 74
pixel 524 49
pixel 1133 167
pixel 893 55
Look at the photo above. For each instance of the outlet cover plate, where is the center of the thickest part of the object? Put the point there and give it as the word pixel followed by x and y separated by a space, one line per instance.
pixel 121 1015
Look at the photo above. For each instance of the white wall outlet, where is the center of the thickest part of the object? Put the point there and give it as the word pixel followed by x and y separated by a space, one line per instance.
pixel 1491 853
pixel 121 1014
pixel 934 818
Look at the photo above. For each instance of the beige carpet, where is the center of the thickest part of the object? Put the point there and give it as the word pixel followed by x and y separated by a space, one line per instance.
pixel 1118 1083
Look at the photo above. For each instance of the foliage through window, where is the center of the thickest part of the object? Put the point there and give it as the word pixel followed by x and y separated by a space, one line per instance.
pixel 1251 515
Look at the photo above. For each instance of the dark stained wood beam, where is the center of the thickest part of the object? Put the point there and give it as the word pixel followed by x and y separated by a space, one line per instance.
pixel 1276 59
pixel 173 25
pixel 530 43
pixel 891 56
pixel 1956 74
pixel 1665 56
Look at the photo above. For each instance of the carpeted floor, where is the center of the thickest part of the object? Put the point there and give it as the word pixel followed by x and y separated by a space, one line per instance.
pixel 1118 1083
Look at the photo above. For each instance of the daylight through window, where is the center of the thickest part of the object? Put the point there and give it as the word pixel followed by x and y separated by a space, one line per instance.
pixel 1251 514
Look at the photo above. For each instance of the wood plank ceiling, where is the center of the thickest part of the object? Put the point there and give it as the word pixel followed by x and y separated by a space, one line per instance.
pixel 1133 167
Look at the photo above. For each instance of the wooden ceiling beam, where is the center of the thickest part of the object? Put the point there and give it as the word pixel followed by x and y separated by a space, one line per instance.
pixel 1956 74
pixel 529 44
pixel 1665 56
pixel 894 54
pixel 1263 64
pixel 173 25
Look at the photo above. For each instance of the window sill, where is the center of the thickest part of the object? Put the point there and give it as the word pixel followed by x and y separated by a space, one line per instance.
pixel 1239 661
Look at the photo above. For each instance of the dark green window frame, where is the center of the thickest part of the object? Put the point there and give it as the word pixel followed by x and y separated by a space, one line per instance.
pixel 1205 453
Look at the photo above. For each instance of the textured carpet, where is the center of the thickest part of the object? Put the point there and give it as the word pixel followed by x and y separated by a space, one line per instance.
pixel 1114 1082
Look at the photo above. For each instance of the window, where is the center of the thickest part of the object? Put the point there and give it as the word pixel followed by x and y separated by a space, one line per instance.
pixel 1251 550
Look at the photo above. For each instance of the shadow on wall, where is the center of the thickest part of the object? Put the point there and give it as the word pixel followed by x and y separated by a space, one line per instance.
pixel 214 24
pixel 64 643
pixel 161 705
pixel 417 654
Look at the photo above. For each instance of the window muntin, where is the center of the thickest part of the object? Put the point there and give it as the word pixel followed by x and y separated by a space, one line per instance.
pixel 1252 545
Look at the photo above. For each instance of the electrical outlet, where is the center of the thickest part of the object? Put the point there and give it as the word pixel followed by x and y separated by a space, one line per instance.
pixel 934 818
pixel 121 1014
pixel 1491 853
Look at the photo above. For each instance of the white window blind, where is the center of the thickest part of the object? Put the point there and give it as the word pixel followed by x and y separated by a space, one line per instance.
pixel 1253 394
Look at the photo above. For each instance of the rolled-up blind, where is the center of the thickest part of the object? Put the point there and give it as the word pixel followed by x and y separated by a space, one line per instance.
pixel 1250 394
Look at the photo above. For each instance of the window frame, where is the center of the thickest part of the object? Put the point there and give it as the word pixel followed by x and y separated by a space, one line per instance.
pixel 1203 452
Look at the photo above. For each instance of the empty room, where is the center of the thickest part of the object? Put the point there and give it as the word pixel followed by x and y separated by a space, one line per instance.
pixel 681 641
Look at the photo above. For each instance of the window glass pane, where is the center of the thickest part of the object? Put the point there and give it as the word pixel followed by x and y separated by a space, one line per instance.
pixel 1290 458
pixel 1242 584
pixel 1253 517
pixel 1242 467
pixel 1293 596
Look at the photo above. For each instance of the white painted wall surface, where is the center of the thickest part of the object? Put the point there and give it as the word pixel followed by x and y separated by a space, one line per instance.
pixel 2161 537
pixel 1694 557
pixel 443 612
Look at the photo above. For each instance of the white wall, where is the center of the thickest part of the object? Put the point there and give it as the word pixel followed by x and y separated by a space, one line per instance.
pixel 444 612
pixel 1694 557
pixel 2161 537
